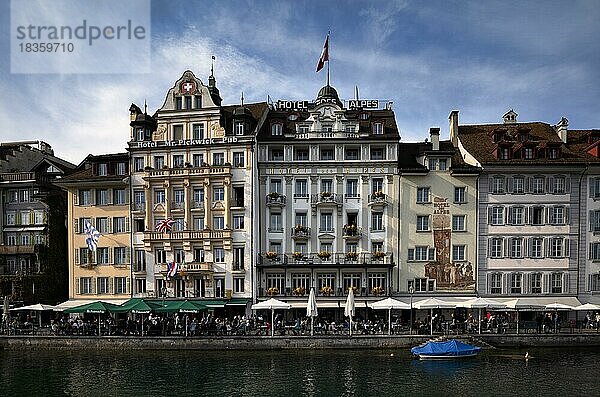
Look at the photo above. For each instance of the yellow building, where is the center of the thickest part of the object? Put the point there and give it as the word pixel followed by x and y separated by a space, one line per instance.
pixel 98 193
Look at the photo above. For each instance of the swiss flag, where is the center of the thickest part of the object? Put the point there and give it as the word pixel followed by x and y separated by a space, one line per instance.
pixel 324 55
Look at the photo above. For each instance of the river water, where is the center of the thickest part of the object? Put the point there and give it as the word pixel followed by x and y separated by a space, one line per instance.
pixel 550 372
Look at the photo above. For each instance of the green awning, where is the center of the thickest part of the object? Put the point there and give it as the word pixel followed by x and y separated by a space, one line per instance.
pixel 178 306
pixel 98 307
pixel 237 302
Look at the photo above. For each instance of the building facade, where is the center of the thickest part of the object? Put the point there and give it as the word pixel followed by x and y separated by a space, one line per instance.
pixel 98 194
pixel 437 217
pixel 32 239
pixel 529 206
pixel 191 162
pixel 326 205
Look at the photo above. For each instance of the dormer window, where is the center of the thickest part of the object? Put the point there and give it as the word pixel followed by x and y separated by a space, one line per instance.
pixel 198 101
pixel 553 153
pixel 121 169
pixel 349 128
pixel 503 153
pixel 178 103
pixel 188 102
pixel 377 128
pixel 442 165
pixel 523 136
pixel 364 116
pixel 239 128
pixel 276 129
pixel 102 169
pixel 303 129
pixel 177 132
pixel 498 136
pixel 528 153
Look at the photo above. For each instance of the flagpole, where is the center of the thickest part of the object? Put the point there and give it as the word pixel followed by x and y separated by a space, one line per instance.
pixel 328 57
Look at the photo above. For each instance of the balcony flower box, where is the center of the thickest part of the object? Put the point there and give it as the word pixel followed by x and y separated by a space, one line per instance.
pixel 300 228
pixel 378 255
pixel 271 255
pixel 326 290
pixel 324 255
pixel 325 195
pixel 379 195
pixel 354 289
pixel 299 291
pixel 378 291
pixel 273 195
pixel 352 255
pixel 297 255
pixel 272 291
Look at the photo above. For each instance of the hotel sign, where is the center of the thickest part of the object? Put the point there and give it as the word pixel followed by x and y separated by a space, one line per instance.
pixel 363 104
pixel 183 142
pixel 292 105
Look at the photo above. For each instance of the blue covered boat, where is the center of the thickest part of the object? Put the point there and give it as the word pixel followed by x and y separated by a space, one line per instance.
pixel 445 350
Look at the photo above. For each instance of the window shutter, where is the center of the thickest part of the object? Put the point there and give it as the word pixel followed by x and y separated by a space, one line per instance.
pixel 549 184
pixel 111 285
pixel 77 286
pixel 431 254
pixel 567 248
pixel 547 214
pixel 110 255
pixel 490 241
pixel 77 256
pixel 527 214
pixel 76 197
pixel 565 282
pixel 566 213
pixel 567 184
pixel 490 210
pixel 128 286
pixel 31 218
pixel 109 224
pixel 528 184
pixel 76 225
pixel 490 184
pixel 127 255
pixel 506 245
pixel 590 253
pixel 591 188
pixel 545 283
pixel 126 195
pixel 509 215
pixel 127 227
pixel 411 254
pixel 92 285
pixel 505 282
pixel 591 218
pixel 18 218
pixel 509 185
pixel 547 245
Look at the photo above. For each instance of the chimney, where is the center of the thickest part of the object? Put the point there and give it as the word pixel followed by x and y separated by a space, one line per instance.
pixel 434 133
pixel 561 129
pixel 454 127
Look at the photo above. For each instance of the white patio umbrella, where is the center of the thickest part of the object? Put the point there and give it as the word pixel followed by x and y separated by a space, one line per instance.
pixel 586 307
pixel 389 304
pixel 522 304
pixel 556 307
pixel 5 310
pixel 349 307
pixel 311 309
pixel 271 304
pixel 483 303
pixel 434 303
pixel 38 307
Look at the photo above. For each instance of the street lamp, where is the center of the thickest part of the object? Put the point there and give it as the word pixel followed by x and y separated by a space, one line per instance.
pixel 411 291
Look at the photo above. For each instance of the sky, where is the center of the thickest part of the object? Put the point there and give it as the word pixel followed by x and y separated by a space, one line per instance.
pixel 540 58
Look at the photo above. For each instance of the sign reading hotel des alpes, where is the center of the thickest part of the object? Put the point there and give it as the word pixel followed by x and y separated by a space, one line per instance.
pixel 355 104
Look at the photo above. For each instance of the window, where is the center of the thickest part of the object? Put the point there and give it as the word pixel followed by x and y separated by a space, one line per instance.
pixel 198 254
pixel 557 215
pixel 119 197
pixel 351 280
pixel 377 153
pixel 556 247
pixel 516 216
pixel 218 193
pixel 515 283
pixel 11 239
pixel 528 153
pixel 327 185
pixel 238 258
pixel 177 132
pixel 504 153
pixel 594 188
pixel 238 159
pixel 516 248
pixel 140 285
pixel 556 283
pixel 218 158
pixel 376 185
pixel 422 195
pixel 198 159
pixel 102 197
pixel 102 169
pixel 442 164
pixel 377 129
pixel 459 253
pixel 121 169
pixel 121 255
pixel 301 281
pixel 178 160
pixel 497 216
pixel 218 222
pixel 188 102
pixel 85 197
pixel 301 188
pixel 301 218
pixel 159 196
pixel 496 283
pixel 537 216
pixel 536 283
pixel 421 253
pixel 301 154
pixel 219 255
pixel 102 285
pixel 538 185
pixel 198 131
pixel 460 195
pixel 559 185
pixel 198 101
pixel 496 248
pixel 352 154
pixel 422 223
pixel 326 222
pixel 536 247
pixel 352 188
pixel 594 282
pixel 140 261
pixel 518 185
pixel 431 164
pixel 11 218
pixel 102 255
pixel 303 129
pixel 327 154
pixel 276 281
pixel 238 222
pixel 159 162
pixel 160 256
pixel 376 280
pixel 239 128
pixel 120 285
pixel 24 196
pixel 377 221
pixel 85 285
pixel 101 225
pixel 553 153
pixel 275 223
pixel 120 224
pixel 38 217
pixel 276 129
pixel 179 195
pixel 198 223
pixel 458 223
pixel 498 185
pixel 238 285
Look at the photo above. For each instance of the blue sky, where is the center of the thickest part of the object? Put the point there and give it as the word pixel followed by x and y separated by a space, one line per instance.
pixel 541 59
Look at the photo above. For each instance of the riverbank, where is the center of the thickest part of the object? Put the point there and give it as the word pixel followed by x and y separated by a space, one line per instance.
pixel 282 342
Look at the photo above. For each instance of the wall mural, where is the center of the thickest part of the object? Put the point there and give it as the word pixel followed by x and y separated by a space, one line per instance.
pixel 449 276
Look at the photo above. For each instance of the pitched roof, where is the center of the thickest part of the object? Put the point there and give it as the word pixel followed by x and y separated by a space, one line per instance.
pixel 408 153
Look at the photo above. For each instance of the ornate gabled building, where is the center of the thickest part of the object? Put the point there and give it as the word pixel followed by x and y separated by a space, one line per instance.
pixel 529 207
pixel 33 235
pixel 98 194
pixel 437 218
pixel 326 205
pixel 192 162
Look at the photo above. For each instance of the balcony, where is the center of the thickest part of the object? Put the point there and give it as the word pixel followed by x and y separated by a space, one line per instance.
pixel 378 199
pixel 19 249
pixel 324 292
pixel 326 198
pixel 189 268
pixel 351 232
pixel 300 232
pixel 348 259
pixel 275 199
pixel 177 205
pixel 216 170
pixel 139 207
pixel 188 235
pixel 198 205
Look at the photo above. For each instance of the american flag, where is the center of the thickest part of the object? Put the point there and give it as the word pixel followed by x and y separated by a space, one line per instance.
pixel 165 225
pixel 92 236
